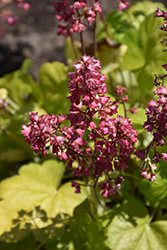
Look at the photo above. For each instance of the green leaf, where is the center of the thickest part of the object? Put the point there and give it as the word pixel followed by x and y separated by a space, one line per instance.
pixel 119 22
pixel 61 242
pixel 27 64
pixel 53 84
pixel 137 13
pixel 156 192
pixel 110 57
pixel 139 118
pixel 12 227
pixel 134 58
pixel 55 230
pixel 116 26
pixel 139 30
pixel 88 234
pixel 35 191
pixel 14 155
pixel 145 53
pixel 28 243
pixel 130 229
pixel 19 84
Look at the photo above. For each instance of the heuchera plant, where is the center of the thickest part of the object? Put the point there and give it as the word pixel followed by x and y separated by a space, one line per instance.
pixel 110 139
pixel 97 133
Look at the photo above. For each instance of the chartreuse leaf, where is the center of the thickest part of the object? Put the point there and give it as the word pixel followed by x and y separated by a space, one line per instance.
pixel 130 229
pixel 156 192
pixel 53 84
pixel 33 199
pixel 3 93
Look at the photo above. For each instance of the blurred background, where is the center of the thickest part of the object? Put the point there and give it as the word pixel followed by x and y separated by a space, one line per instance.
pixel 35 36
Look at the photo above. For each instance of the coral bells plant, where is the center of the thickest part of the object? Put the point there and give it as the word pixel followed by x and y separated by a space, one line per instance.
pixel 99 143
pixel 104 135
pixel 91 112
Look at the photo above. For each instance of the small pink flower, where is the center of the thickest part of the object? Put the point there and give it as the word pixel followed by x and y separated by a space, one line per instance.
pixel 134 110
pixel 164 66
pixel 164 156
pixel 97 7
pixel 77 187
pixel 159 13
pixel 12 20
pixel 26 130
pixel 120 90
pixel 24 6
pixel 123 5
pixel 92 125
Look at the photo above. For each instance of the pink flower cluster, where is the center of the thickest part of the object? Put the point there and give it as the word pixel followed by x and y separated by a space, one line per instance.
pixel 157 125
pixel 91 111
pixel 74 15
pixel 122 98
pixel 163 14
pixel 7 15
pixel 156 122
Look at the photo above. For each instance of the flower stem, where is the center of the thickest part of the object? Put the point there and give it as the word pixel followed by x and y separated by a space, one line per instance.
pixel 125 110
pixel 144 163
pixel 73 46
pixel 95 190
pixel 131 176
pixel 39 246
pixel 105 25
pixel 94 33
pixel 82 43
pixel 12 103
pixel 94 39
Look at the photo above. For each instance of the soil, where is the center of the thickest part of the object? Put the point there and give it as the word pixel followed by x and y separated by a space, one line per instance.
pixel 34 36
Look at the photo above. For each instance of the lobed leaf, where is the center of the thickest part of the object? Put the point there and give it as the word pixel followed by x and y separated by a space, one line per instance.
pixel 131 229
pixel 36 192
pixel 156 192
